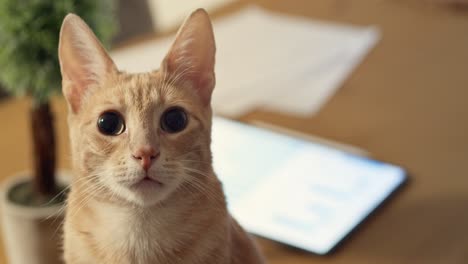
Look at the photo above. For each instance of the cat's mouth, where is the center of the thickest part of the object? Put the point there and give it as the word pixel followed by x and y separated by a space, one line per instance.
pixel 147 182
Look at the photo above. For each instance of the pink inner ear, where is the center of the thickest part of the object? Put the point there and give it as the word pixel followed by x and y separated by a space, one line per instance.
pixel 73 92
pixel 74 84
pixel 208 82
pixel 78 75
pixel 73 98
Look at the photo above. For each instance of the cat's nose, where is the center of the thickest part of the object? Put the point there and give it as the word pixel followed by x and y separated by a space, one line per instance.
pixel 145 156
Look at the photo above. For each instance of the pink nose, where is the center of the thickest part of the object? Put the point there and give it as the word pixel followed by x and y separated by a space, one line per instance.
pixel 145 155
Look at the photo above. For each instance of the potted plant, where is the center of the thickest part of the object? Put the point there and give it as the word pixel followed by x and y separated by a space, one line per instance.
pixel 29 66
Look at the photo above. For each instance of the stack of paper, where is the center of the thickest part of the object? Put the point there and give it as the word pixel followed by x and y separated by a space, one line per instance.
pixel 283 63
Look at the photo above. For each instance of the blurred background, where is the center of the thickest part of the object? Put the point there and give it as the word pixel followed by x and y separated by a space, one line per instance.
pixel 386 76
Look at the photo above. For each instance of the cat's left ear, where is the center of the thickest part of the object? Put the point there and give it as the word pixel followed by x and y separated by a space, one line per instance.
pixel 191 59
pixel 84 63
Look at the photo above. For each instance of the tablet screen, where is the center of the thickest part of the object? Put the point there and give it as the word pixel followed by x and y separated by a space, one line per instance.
pixel 294 191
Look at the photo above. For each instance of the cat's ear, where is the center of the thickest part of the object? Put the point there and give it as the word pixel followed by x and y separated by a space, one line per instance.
pixel 191 58
pixel 84 63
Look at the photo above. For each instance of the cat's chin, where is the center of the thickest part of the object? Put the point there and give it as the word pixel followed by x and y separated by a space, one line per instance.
pixel 147 192
pixel 146 184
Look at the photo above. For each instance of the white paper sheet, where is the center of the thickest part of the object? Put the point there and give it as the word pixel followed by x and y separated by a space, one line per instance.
pixel 168 14
pixel 284 63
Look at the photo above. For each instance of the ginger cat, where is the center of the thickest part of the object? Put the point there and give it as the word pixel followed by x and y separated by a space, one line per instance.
pixel 144 189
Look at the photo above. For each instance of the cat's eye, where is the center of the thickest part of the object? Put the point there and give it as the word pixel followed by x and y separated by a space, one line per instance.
pixel 174 120
pixel 111 123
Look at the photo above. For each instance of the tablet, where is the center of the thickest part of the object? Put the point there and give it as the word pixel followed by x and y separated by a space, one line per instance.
pixel 295 191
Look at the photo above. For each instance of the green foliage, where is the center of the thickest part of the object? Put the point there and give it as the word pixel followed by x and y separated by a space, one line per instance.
pixel 29 34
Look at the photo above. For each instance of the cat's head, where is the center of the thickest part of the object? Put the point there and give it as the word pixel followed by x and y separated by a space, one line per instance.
pixel 139 137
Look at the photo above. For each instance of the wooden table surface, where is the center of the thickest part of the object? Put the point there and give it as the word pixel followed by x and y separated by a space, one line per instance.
pixel 406 104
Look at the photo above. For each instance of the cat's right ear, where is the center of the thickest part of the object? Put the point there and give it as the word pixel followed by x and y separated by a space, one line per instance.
pixel 84 63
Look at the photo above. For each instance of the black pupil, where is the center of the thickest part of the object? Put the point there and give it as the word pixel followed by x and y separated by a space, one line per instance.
pixel 174 120
pixel 110 123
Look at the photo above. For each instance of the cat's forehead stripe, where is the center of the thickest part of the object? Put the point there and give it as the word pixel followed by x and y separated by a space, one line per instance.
pixel 139 90
pixel 143 92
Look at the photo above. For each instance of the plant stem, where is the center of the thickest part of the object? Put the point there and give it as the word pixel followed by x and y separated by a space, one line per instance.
pixel 43 149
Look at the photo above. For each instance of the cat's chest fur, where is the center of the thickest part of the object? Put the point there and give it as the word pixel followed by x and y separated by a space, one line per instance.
pixel 115 234
pixel 135 236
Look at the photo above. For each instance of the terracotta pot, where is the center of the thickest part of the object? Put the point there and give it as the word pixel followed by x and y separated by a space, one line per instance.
pixel 32 235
